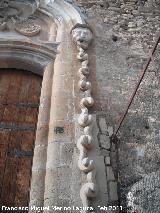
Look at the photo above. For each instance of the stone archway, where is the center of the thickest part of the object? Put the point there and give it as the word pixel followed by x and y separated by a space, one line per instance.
pixel 31 44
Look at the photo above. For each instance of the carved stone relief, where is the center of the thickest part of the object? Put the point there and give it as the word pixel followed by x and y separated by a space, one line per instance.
pixel 27 27
pixel 22 21
pixel 82 36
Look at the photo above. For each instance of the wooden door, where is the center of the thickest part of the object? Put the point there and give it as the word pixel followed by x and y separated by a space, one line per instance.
pixel 19 102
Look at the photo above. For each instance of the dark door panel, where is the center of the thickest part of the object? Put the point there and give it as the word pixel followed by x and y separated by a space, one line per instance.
pixel 19 103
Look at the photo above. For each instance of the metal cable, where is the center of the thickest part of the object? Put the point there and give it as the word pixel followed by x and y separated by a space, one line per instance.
pixel 136 88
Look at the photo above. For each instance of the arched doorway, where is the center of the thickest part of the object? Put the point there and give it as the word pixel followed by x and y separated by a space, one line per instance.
pixel 19 103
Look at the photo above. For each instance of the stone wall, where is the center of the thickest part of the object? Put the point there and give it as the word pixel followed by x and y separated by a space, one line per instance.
pixel 125 32
pixel 109 151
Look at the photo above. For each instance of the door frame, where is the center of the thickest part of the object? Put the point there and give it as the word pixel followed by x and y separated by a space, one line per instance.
pixel 58 102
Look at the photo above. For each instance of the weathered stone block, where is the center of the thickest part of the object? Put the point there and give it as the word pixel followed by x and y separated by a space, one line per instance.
pixel 104 152
pixel 107 160
pixel 105 141
pixel 110 174
pixel 110 130
pixel 113 195
pixel 103 125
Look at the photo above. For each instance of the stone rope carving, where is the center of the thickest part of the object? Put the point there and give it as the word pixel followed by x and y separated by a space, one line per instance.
pixel 82 36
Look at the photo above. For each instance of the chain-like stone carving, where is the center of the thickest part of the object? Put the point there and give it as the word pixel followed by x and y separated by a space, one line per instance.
pixel 82 36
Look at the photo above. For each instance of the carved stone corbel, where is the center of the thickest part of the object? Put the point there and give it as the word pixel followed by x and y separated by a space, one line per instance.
pixel 82 36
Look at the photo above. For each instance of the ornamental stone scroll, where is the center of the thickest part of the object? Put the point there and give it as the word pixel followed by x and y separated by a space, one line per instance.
pixel 82 37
